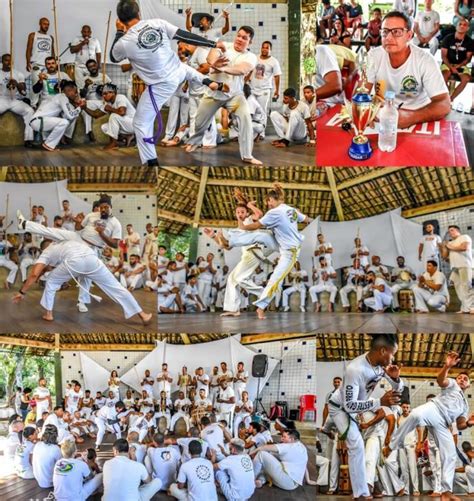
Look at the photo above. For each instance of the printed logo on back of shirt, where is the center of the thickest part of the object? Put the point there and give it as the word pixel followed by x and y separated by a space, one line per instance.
pixel 246 463
pixel 63 467
pixel 150 38
pixel 203 473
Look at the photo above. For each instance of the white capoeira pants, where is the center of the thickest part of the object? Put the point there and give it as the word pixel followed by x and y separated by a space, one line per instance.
pixel 435 466
pixel 257 128
pixel 19 108
pixel 266 465
pixel 424 299
pixel 373 449
pixel 25 263
pixel 264 99
pixel 293 130
pixel 356 450
pixel 469 470
pixel 409 468
pixel 144 119
pixel 323 475
pixel 344 293
pixel 462 278
pixel 11 266
pixel 94 270
pixel 210 136
pixel 335 468
pixel 103 426
pixel 291 290
pixel 388 475
pixel 168 301
pixel 90 486
pixel 241 418
pixel 178 415
pixel 92 104
pixel 288 258
pixel 396 288
pixel 135 281
pixel 325 287
pixel 223 479
pixel 204 289
pixel 379 301
pixel 57 128
pixel 117 125
pixel 429 415
pixel 178 110
pixel 236 105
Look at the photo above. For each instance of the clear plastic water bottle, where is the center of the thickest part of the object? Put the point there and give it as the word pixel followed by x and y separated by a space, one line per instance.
pixel 388 123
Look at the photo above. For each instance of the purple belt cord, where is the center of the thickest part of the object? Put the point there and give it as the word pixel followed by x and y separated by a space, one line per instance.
pixel 154 139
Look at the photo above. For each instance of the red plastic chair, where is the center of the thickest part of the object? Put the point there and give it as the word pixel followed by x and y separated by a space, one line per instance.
pixel 307 404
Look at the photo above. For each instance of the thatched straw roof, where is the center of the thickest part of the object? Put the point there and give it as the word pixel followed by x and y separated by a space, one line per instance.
pixel 203 195
pixel 127 177
pixel 415 350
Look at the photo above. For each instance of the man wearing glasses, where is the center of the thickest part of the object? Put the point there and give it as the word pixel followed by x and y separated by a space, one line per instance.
pixel 411 72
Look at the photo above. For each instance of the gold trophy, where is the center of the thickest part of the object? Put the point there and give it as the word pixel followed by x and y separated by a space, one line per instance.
pixel 360 112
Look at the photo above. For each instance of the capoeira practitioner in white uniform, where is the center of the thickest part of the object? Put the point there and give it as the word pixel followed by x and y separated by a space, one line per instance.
pixel 97 229
pixel 439 414
pixel 58 115
pixel 230 67
pixel 74 259
pixel 256 246
pixel 283 220
pixel 12 91
pixel 147 45
pixel 361 377
pixel 109 417
pixel 120 110
pixel 6 262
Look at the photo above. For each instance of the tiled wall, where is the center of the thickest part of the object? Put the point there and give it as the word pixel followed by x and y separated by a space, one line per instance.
pixel 130 208
pixel 268 20
pixel 464 218
pixel 297 369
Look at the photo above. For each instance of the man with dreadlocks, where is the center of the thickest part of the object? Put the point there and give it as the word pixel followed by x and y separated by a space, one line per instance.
pixel 353 397
pixel 256 246
pixel 121 112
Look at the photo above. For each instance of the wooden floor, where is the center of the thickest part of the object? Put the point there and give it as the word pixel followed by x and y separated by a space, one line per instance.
pixel 223 156
pixel 13 488
pixel 385 323
pixel 106 317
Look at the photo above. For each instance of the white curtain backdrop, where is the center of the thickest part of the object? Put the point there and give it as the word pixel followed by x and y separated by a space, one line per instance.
pixel 387 235
pixel 49 195
pixel 95 377
pixel 71 17
pixel 205 355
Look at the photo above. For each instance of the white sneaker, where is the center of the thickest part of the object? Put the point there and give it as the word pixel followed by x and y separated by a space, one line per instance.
pixel 302 309
pixel 286 308
pixel 21 219
pixel 82 307
pixel 442 309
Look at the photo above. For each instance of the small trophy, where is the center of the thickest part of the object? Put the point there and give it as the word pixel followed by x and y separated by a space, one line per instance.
pixel 361 111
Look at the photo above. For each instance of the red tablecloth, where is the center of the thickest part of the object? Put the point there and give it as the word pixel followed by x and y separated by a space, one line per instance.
pixel 413 149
